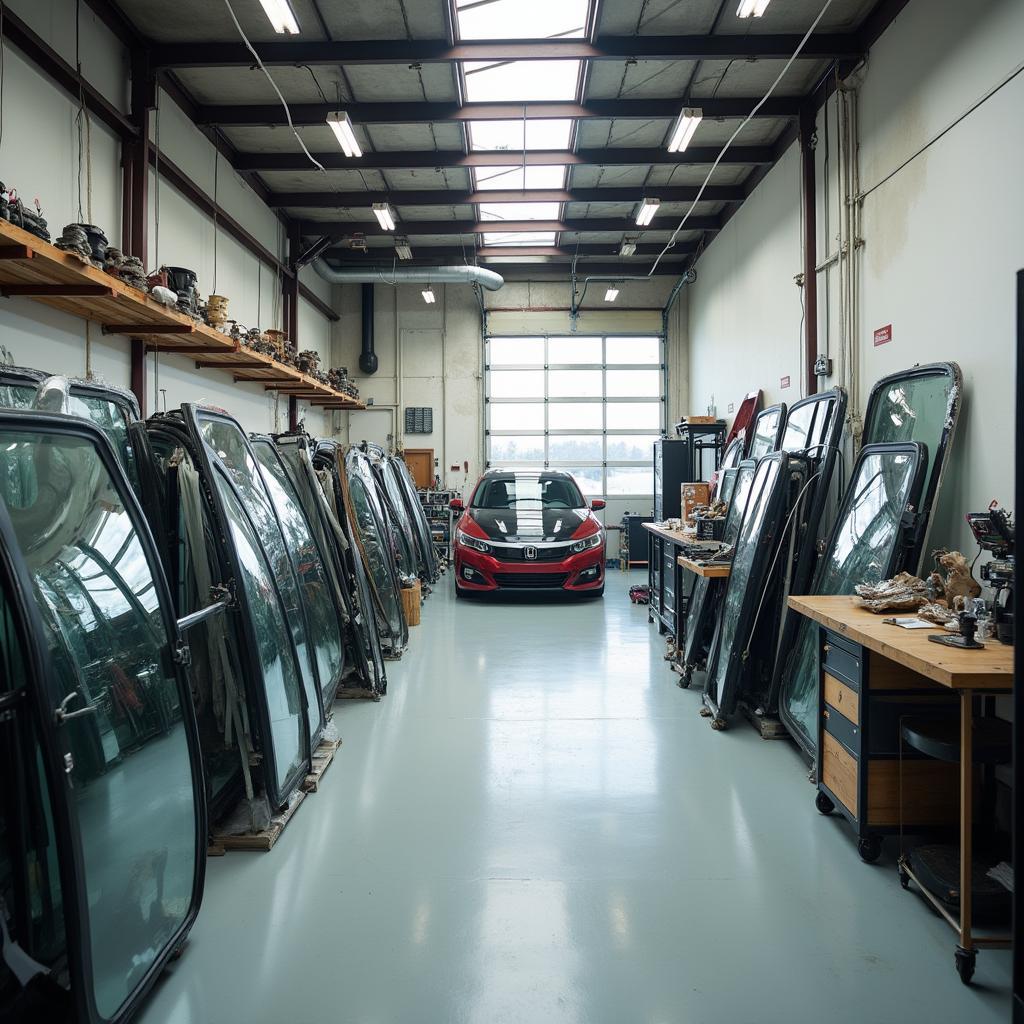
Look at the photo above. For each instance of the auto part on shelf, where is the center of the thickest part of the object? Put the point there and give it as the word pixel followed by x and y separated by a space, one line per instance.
pixel 98 706
pixel 366 676
pixel 183 282
pixel 12 209
pixel 247 689
pixel 995 531
pixel 923 405
pixel 761 561
pixel 128 269
pixel 873 533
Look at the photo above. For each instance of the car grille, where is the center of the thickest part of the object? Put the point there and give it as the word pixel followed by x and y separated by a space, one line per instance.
pixel 531 580
pixel 543 554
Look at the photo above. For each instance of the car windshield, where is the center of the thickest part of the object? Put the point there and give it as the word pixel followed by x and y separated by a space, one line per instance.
pixel 528 490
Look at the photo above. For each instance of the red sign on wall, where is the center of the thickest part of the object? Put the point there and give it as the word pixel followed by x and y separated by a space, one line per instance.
pixel 883 335
pixel 784 382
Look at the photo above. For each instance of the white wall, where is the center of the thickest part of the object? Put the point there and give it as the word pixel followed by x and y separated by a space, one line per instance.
pixel 942 242
pixel 35 109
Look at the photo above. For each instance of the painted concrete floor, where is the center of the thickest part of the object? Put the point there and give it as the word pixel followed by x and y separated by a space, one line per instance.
pixel 536 827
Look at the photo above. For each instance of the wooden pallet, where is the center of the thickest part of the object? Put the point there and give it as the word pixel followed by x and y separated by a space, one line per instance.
pixel 768 726
pixel 260 841
pixel 322 758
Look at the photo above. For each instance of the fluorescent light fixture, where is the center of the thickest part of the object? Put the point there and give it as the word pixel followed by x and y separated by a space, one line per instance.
pixel 683 129
pixel 402 249
pixel 341 124
pixel 648 208
pixel 281 16
pixel 384 216
pixel 428 295
pixel 628 247
pixel 751 8
pixel 611 295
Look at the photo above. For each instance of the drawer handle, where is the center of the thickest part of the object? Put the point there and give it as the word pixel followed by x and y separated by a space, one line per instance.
pixel 826 649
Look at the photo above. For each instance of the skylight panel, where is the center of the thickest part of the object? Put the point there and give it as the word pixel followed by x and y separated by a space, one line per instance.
pixel 521 19
pixel 519 211
pixel 541 133
pixel 521 80
pixel 519 238
pixel 552 176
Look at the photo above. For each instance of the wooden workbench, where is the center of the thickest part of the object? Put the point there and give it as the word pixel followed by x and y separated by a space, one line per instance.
pixel 870 675
pixel 668 603
pixel 709 570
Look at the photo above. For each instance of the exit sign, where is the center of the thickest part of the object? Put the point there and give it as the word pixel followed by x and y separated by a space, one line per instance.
pixel 784 382
pixel 883 335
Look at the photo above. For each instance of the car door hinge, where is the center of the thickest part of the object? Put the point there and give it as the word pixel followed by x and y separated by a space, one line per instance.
pixel 182 654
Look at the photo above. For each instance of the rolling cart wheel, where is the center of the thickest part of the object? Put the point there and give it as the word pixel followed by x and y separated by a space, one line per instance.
pixel 705 712
pixel 685 678
pixel 718 724
pixel 870 848
pixel 823 803
pixel 904 877
pixel 966 960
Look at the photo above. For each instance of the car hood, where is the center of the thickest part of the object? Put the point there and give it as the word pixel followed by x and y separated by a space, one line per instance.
pixel 529 525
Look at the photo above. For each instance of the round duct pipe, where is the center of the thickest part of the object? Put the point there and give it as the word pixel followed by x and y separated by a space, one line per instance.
pixel 367 357
pixel 488 279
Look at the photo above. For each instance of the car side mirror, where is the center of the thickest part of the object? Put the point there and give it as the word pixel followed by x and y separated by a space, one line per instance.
pixel 456 505
pixel 597 504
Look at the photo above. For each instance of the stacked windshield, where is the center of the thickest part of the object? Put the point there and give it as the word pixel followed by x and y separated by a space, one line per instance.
pixel 528 491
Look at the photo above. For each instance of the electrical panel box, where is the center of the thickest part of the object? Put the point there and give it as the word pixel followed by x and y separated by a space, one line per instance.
pixel 419 419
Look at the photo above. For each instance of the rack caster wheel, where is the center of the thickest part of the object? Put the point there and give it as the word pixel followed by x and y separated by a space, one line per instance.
pixel 685 678
pixel 869 848
pixel 705 712
pixel 718 724
pixel 824 804
pixel 966 960
pixel 904 877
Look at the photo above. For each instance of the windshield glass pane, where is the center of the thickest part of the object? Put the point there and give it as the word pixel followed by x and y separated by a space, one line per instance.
pixel 111 419
pixel 528 491
pixel 766 429
pixel 861 551
pixel 133 790
pixel 227 441
pixel 377 550
pixel 318 595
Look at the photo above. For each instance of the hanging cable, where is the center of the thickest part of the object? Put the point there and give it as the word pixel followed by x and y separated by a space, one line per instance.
pixel 273 85
pixel 764 99
pixel 3 11
pixel 216 210
pixel 156 188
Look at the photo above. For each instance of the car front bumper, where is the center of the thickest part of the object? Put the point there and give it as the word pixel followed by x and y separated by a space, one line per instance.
pixel 479 573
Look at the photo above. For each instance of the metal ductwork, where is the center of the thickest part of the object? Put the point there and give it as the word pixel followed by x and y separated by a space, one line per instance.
pixel 367 357
pixel 488 279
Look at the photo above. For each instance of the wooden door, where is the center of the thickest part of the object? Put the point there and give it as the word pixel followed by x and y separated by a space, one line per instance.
pixel 421 464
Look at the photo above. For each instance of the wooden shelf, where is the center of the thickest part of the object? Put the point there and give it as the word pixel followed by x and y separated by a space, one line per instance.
pixel 36 269
pixel 709 570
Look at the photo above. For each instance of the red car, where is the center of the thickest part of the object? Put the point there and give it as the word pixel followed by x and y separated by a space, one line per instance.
pixel 528 530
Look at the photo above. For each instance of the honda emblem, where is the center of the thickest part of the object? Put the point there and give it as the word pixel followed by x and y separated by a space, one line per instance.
pixel 530 553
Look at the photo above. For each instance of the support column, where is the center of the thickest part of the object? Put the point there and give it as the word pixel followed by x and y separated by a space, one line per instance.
pixel 135 195
pixel 291 308
pixel 808 141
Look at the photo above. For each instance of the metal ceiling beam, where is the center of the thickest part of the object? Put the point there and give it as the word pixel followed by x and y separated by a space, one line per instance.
pixel 451 197
pixel 666 268
pixel 257 114
pixel 432 252
pixel 371 229
pixel 432 51
pixel 432 158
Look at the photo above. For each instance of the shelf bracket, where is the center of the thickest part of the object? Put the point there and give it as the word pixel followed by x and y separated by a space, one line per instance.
pixel 16 252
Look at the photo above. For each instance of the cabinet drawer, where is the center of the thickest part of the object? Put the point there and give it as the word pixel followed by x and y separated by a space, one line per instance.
pixel 842 698
pixel 841 660
pixel 843 730
pixel 839 772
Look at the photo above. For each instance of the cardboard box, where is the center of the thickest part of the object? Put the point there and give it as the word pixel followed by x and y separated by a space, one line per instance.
pixel 411 603
pixel 692 495
pixel 701 419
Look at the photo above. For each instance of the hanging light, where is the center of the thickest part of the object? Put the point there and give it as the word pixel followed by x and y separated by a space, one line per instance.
pixel 683 129
pixel 628 247
pixel 281 16
pixel 648 208
pixel 385 216
pixel 751 8
pixel 428 295
pixel 341 124
pixel 402 249
pixel 612 294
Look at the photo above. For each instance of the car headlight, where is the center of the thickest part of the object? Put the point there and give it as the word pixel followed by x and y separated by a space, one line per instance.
pixel 593 541
pixel 472 542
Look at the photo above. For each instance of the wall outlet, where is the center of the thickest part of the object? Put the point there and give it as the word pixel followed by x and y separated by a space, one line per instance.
pixel 823 366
